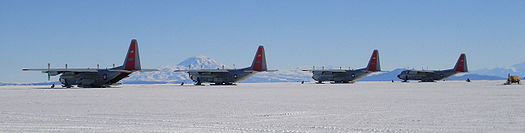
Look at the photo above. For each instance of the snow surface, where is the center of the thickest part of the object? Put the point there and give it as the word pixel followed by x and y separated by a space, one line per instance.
pixel 452 106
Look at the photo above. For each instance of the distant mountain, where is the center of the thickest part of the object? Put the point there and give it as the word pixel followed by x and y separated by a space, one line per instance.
pixel 475 77
pixel 384 76
pixel 197 61
pixel 517 69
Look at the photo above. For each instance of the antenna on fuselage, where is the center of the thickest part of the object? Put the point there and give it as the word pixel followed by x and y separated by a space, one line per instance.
pixel 222 66
pixel 189 67
pixel 113 65
pixel 48 75
pixel 313 67
pixel 201 67
pixel 340 68
pixel 66 66
pixel 234 66
pixel 98 66
pixel 323 67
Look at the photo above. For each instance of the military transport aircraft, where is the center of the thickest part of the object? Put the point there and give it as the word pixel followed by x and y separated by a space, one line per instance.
pixel 432 75
pixel 347 76
pixel 229 76
pixel 98 78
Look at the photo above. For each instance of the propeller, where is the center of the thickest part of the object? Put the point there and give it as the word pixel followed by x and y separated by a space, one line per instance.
pixel 48 68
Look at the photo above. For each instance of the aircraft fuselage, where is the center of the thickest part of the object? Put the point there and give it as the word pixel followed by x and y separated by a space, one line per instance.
pixel 227 76
pixel 339 76
pixel 425 76
pixel 102 78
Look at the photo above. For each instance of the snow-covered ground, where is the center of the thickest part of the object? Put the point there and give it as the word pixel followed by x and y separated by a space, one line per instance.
pixel 452 106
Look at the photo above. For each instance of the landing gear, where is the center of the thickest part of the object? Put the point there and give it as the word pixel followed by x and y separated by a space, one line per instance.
pixel 53 86
pixel 427 80
pixel 67 86
pixel 224 83
pixel 198 82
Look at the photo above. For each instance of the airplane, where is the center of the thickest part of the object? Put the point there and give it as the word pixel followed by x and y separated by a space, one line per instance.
pixel 97 78
pixel 347 76
pixel 432 75
pixel 229 76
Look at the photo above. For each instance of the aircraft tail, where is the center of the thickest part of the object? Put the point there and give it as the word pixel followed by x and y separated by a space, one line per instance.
pixel 373 64
pixel 132 60
pixel 259 61
pixel 461 65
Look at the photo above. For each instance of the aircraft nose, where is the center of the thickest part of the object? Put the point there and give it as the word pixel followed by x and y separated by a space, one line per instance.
pixel 399 76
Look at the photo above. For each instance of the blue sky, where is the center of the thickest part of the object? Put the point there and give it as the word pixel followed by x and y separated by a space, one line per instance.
pixel 295 33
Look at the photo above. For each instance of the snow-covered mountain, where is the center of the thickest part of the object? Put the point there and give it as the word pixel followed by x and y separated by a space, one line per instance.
pixel 517 69
pixel 166 73
pixel 198 61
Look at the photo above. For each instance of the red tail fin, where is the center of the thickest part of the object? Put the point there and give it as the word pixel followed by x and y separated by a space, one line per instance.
pixel 373 64
pixel 259 61
pixel 461 65
pixel 132 61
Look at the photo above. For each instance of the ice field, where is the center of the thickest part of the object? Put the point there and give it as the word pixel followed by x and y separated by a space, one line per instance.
pixel 451 106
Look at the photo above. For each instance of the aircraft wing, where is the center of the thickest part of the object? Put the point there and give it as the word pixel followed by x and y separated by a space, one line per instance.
pixel 261 71
pixel 84 70
pixel 62 70
pixel 328 70
pixel 204 70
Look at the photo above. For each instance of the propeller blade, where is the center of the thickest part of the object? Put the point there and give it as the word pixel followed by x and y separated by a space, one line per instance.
pixel 48 75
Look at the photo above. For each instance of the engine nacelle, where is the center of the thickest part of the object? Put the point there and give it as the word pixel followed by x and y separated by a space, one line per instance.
pixel 53 73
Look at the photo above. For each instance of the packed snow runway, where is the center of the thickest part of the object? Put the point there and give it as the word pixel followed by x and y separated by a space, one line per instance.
pixel 451 106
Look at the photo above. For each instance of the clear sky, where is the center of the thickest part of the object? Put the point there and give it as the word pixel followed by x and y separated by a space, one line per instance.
pixel 429 33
